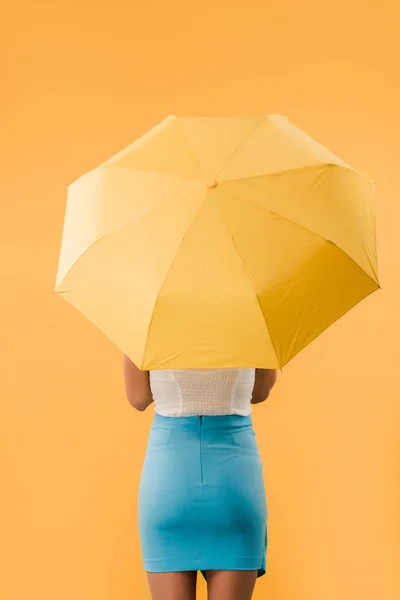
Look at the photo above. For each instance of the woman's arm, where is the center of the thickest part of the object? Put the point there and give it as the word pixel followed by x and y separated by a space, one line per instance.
pixel 264 382
pixel 137 385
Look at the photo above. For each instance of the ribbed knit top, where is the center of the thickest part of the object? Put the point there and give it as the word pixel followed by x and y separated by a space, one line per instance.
pixel 195 392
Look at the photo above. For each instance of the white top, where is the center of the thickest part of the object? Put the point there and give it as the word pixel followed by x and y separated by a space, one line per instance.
pixel 191 392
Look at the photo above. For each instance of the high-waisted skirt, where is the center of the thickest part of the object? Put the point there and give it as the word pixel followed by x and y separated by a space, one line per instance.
pixel 202 500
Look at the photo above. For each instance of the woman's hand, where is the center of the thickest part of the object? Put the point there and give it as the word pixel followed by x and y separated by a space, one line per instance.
pixel 137 385
pixel 264 382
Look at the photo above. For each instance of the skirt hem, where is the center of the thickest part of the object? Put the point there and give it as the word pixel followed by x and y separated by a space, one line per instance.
pixel 204 564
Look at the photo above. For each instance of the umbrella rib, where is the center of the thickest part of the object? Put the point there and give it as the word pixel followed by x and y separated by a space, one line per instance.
pixel 241 144
pixel 294 169
pixel 192 150
pixel 151 171
pixel 284 171
pixel 249 279
pixel 167 275
pixel 309 231
pixel 112 233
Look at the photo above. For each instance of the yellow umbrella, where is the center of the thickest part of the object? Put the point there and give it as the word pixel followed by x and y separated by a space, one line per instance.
pixel 218 242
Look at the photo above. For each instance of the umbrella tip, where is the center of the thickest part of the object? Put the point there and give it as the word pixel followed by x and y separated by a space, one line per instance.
pixel 211 184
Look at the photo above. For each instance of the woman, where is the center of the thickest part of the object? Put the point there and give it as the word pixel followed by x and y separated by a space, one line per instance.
pixel 202 502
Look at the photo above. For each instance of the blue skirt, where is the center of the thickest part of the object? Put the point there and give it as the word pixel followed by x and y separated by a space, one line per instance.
pixel 202 501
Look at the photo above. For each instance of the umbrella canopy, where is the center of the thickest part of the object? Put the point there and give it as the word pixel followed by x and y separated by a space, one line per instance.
pixel 217 243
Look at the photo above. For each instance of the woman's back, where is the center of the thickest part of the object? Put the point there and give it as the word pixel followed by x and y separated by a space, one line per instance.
pixel 193 392
pixel 202 500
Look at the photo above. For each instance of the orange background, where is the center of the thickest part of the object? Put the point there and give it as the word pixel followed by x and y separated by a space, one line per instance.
pixel 81 80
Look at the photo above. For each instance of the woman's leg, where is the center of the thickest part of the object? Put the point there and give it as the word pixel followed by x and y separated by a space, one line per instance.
pixel 231 585
pixel 173 586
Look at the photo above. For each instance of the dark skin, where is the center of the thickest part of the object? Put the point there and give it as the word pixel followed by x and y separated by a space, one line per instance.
pixel 137 385
pixel 221 585
pixel 264 382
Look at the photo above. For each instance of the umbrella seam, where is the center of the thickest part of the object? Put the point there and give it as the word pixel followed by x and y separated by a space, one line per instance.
pixel 162 173
pixel 111 233
pixel 294 169
pixel 336 319
pixel 190 147
pixel 309 231
pixel 265 118
pixel 234 152
pixel 285 362
pixel 168 273
pixel 250 281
